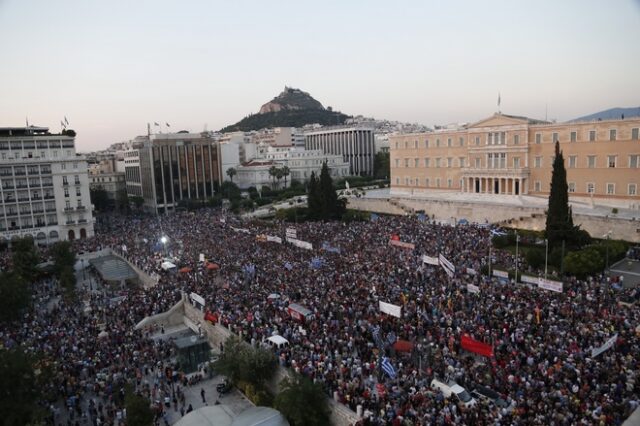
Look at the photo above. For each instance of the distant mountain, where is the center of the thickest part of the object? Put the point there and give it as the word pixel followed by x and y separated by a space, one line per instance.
pixel 291 108
pixel 610 114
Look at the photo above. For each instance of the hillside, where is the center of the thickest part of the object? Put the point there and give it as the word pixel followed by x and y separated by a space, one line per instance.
pixel 291 108
pixel 610 114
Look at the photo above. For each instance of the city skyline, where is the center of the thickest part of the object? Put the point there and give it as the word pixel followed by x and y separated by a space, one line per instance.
pixel 113 68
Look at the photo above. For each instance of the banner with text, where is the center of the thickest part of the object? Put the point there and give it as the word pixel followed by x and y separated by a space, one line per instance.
pixel 550 285
pixel 393 310
pixel 446 265
pixel 301 244
pixel 430 260
pixel 273 239
pixel 473 288
pixel 477 347
pixel 606 346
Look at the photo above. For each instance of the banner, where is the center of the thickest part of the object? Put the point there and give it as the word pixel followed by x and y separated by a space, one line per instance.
pixel 197 298
pixel 529 279
pixel 401 244
pixel 477 347
pixel 500 274
pixel 473 288
pixel 430 260
pixel 292 233
pixel 243 230
pixel 446 265
pixel 273 239
pixel 262 238
pixel 471 271
pixel 301 244
pixel 550 285
pixel 607 345
pixel 393 310
pixel 201 257
pixel 327 247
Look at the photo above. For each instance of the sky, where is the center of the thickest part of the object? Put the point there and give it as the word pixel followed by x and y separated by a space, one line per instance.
pixel 113 66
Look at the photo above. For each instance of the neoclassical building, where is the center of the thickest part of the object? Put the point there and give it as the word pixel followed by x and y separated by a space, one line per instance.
pixel 512 155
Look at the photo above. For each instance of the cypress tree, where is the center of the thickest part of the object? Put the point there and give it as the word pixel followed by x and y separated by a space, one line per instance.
pixel 313 197
pixel 559 224
pixel 331 207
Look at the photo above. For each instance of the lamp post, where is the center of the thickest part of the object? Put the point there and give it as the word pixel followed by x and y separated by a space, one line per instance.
pixel 517 241
pixel 164 240
pixel 546 256
pixel 608 234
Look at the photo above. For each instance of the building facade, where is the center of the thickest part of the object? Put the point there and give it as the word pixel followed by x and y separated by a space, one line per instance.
pixel 514 155
pixel 103 175
pixel 45 186
pixel 301 164
pixel 164 169
pixel 355 143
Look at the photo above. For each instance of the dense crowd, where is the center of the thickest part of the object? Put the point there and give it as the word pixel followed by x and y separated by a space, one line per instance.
pixel 543 341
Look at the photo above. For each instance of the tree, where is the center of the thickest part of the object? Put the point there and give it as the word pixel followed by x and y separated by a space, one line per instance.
pixel 559 225
pixel 279 175
pixel 20 389
pixel 273 172
pixel 285 172
pixel 331 207
pixel 67 281
pixel 582 263
pixel 381 165
pixel 99 198
pixel 313 197
pixel 241 362
pixel 137 201
pixel 231 172
pixel 63 256
pixel 25 258
pixel 302 402
pixel 122 201
pixel 14 296
pixel 230 190
pixel 138 408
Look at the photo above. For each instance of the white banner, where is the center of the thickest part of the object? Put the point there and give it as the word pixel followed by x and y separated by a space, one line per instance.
pixel 430 260
pixel 500 274
pixel 529 279
pixel 301 244
pixel 393 310
pixel 201 257
pixel 473 288
pixel 273 239
pixel 197 298
pixel 607 345
pixel 471 271
pixel 448 266
pixel 246 231
pixel 292 233
pixel 550 285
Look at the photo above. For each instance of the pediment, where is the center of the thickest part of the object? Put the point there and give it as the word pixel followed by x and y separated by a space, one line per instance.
pixel 497 120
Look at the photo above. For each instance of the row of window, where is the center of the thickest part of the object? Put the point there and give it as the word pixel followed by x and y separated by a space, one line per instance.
pixel 590 187
pixel 500 138
pixel 40 144
pixel 499 161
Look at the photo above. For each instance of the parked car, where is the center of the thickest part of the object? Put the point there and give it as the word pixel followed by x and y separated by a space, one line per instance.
pixel 223 387
pixel 484 393
pixel 452 389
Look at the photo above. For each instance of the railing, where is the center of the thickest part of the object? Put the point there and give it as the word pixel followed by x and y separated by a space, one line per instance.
pixel 19 173
pixel 71 222
pixel 54 223
pixel 8 187
pixel 81 208
pixel 47 184
pixel 82 221
pixel 68 209
pixel 48 197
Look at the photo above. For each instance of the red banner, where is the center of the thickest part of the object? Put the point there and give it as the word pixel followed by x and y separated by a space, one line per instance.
pixel 476 346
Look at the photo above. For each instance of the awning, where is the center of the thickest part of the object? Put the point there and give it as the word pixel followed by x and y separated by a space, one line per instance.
pixel 212 266
pixel 185 269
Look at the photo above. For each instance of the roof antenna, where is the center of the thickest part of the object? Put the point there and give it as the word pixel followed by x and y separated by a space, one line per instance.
pixel 545 111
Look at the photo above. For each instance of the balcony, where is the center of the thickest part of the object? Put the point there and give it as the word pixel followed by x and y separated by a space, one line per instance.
pixel 71 222
pixel 54 223
pixel 82 221
pixel 50 209
pixel 68 209
pixel 20 173
pixel 45 171
pixel 13 228
pixel 38 211
pixel 21 185
pixel 8 187
pixel 65 183
pixel 81 208
pixel 47 184
pixel 48 197
pixel 23 199
pixel 12 213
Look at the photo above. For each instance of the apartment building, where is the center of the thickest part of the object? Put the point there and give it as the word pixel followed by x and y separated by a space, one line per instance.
pixel 45 186
pixel 355 143
pixel 512 155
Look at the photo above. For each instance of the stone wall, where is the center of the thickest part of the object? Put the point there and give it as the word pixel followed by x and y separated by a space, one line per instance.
pixel 522 217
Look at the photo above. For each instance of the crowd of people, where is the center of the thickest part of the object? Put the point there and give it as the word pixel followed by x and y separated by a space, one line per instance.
pixel 542 341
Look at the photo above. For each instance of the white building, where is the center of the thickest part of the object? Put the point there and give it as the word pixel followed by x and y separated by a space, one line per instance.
pixel 45 186
pixel 301 164
pixel 355 143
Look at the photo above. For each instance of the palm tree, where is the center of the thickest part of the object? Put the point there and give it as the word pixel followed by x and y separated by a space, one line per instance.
pixel 285 172
pixel 231 172
pixel 273 171
pixel 279 175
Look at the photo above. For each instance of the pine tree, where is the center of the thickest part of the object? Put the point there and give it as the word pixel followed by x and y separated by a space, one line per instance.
pixel 559 226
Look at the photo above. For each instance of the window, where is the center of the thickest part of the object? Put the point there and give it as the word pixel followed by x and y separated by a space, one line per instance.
pixel 478 164
pixel 612 161
pixel 449 183
pixel 537 186
pixel 592 135
pixel 516 139
pixel 477 140
pixel 555 137
pixel 449 162
pixel 461 141
pixel 406 144
pixel 64 180
pixel 591 188
pixel 503 160
pixel 415 144
pixel 591 161
pixel 461 160
pixel 66 192
pixel 634 134
pixel 438 183
pixel 396 145
pixel 437 162
pixel 397 180
pixel 572 161
pixel 75 165
pixel 634 160
pixel 516 162
pixel 574 136
pixel 538 162
pixel 611 188
pixel 426 162
pixel 78 193
pixel 538 138
pixel 67 204
pixel 449 142
pixel 426 143
pixel 426 182
pixel 406 162
pixel 437 142
pixel 572 187
pixel 612 134
pixel 63 166
pixel 397 162
pixel 406 181
pixel 417 162
pixel 631 189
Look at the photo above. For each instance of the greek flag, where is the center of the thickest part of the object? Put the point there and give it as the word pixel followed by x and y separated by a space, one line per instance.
pixel 317 262
pixel 391 338
pixel 375 333
pixel 422 217
pixel 288 266
pixel 374 217
pixel 388 368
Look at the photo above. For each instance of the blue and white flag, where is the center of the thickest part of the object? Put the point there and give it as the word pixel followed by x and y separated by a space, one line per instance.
pixel 288 266
pixel 374 217
pixel 375 333
pixel 387 367
pixel 422 217
pixel 317 262
pixel 391 338
pixel 328 247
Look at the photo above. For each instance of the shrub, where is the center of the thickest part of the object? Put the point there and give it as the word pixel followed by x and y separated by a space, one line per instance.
pixel 355 216
pixel 582 263
pixel 535 257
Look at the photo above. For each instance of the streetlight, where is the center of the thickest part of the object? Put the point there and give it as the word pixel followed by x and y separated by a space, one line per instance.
pixel 546 256
pixel 607 235
pixel 164 240
pixel 517 240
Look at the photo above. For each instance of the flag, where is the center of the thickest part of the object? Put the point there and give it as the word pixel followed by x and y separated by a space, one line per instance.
pixel 375 333
pixel 498 99
pixel 66 121
pixel 422 217
pixel 62 123
pixel 374 217
pixel 387 367
pixel 155 123
pixel 288 266
pixel 167 124
pixel 317 262
pixel 391 338
pixel 26 121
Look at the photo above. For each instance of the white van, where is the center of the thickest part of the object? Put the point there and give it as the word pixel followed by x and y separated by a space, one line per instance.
pixel 453 389
pixel 277 341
